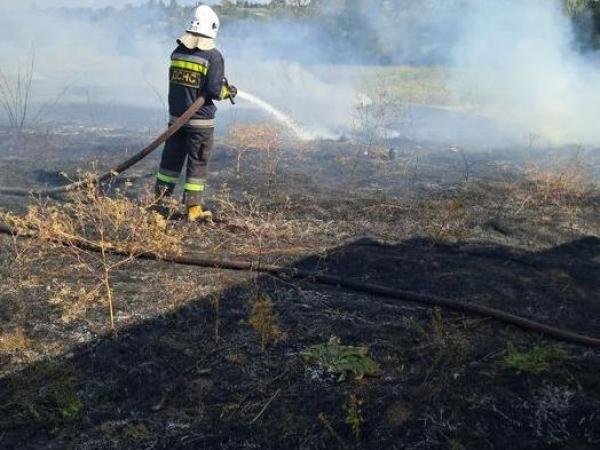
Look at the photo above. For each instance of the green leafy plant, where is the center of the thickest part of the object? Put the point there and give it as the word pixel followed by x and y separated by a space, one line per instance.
pixel 341 359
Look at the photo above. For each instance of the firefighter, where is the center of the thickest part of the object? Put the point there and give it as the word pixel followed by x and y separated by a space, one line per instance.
pixel 197 69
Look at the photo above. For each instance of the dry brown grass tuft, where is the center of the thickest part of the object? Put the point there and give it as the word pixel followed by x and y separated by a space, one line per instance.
pixel 72 300
pixel 256 137
pixel 119 223
pixel 13 341
pixel 264 321
pixel 446 220
pixel 19 282
pixel 559 187
pixel 253 228
pixel 252 218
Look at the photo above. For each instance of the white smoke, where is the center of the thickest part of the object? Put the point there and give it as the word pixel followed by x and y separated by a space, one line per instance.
pixel 513 60
pixel 105 62
pixel 97 60
pixel 283 63
pixel 517 61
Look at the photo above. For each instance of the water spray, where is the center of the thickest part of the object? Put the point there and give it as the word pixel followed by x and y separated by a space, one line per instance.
pixel 278 115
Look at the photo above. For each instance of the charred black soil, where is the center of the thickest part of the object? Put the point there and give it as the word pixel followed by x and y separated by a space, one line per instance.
pixel 515 230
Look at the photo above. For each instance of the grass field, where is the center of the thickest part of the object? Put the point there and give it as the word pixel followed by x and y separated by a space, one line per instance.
pixel 220 359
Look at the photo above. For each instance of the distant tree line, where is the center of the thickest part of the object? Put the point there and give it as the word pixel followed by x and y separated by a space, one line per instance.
pixel 586 16
pixel 394 31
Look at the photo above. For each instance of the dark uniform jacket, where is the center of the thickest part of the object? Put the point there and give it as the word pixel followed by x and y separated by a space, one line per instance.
pixel 194 73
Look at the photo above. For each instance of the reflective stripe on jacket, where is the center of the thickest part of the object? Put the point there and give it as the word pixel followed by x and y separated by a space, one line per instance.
pixel 194 73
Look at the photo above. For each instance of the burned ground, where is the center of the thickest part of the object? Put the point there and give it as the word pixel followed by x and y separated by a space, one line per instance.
pixel 516 230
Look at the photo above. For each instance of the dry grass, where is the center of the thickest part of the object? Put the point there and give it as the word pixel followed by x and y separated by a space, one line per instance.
pixel 255 137
pixel 559 187
pixel 254 228
pixel 445 220
pixel 374 118
pixel 260 228
pixel 87 229
pixel 72 299
pixel 89 217
pixel 265 139
pixel 264 321
pixel 13 341
pixel 374 155
pixel 130 226
pixel 18 280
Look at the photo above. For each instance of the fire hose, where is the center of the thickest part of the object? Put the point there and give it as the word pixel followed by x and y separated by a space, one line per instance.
pixel 119 169
pixel 346 283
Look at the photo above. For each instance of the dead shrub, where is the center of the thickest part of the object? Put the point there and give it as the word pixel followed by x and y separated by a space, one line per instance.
pixel 374 120
pixel 90 226
pixel 15 92
pixel 91 218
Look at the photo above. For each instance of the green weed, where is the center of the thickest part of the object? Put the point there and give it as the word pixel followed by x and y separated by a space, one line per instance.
pixel 354 416
pixel 341 359
pixel 536 360
pixel 47 394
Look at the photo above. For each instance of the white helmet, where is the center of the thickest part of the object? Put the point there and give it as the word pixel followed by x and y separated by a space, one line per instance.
pixel 205 22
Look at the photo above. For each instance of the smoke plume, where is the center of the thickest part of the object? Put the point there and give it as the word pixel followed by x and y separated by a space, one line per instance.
pixel 517 61
pixel 513 62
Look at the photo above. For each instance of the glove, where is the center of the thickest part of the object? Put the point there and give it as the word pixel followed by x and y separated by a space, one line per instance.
pixel 228 91
pixel 232 91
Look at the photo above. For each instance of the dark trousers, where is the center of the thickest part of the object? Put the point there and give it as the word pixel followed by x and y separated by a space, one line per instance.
pixel 196 145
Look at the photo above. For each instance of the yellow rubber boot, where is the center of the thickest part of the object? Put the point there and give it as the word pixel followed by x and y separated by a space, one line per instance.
pixel 196 214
